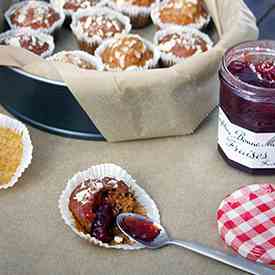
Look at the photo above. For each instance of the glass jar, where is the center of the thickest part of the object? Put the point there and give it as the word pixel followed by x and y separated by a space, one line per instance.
pixel 246 135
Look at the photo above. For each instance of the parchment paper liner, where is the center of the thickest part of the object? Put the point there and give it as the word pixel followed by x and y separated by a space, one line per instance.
pixel 203 22
pixel 139 15
pixel 170 59
pixel 50 30
pixel 20 128
pixel 84 55
pixel 69 13
pixel 101 171
pixel 94 41
pixel 150 64
pixel 44 37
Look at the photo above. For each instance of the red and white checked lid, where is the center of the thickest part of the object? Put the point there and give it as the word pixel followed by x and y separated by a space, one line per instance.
pixel 246 222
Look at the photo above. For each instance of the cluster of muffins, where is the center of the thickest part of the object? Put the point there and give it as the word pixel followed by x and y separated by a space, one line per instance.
pixel 102 29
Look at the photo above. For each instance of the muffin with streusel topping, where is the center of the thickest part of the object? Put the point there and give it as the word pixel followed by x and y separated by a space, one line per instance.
pixel 35 15
pixel 92 26
pixel 138 10
pixel 128 52
pixel 36 42
pixel 176 44
pixel 192 13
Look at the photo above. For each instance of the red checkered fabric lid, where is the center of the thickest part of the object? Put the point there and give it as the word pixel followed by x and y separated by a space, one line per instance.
pixel 246 222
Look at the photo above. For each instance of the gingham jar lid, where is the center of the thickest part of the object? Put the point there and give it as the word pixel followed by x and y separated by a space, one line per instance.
pixel 246 222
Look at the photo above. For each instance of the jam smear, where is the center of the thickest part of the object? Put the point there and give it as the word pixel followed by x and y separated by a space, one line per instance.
pixel 102 223
pixel 140 229
pixel 261 74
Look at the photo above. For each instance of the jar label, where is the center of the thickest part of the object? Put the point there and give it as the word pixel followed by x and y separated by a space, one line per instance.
pixel 253 150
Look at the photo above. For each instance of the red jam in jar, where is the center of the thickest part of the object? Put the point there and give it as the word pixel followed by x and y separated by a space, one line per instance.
pixel 246 135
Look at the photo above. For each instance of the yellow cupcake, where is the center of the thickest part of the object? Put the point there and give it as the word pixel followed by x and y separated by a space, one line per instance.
pixel 15 150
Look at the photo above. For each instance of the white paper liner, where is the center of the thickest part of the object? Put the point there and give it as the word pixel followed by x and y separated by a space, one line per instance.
pixel 170 58
pixel 20 128
pixel 203 22
pixel 60 4
pixel 44 37
pixel 97 11
pixel 99 172
pixel 84 55
pixel 150 64
pixel 58 24
pixel 131 10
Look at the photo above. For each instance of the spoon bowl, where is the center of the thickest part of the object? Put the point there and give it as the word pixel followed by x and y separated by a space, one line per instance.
pixel 138 227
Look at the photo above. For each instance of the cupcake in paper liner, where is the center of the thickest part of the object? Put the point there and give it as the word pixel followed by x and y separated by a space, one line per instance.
pixel 15 150
pixel 93 26
pixel 138 10
pixel 35 15
pixel 191 13
pixel 128 53
pixel 72 6
pixel 82 60
pixel 93 198
pixel 36 42
pixel 176 44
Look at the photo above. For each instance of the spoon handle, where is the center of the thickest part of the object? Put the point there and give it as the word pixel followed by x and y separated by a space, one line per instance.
pixel 235 261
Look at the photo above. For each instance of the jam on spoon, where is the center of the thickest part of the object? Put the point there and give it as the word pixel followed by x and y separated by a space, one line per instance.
pixel 140 229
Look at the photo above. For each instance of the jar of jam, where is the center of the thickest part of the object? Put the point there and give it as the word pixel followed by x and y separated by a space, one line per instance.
pixel 246 135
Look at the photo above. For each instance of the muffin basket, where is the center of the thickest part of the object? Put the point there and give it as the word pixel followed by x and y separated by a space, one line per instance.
pixel 119 106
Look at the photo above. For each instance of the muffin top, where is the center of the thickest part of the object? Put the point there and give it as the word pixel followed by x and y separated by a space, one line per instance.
pixel 141 3
pixel 184 44
pixel 99 23
pixel 126 51
pixel 34 41
pixel 34 15
pixel 183 12
pixel 102 26
pixel 74 5
pixel 80 59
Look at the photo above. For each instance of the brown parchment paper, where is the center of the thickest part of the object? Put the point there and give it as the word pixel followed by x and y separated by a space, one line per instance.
pixel 153 103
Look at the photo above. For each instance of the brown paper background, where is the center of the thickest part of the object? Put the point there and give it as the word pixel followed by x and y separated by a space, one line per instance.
pixel 153 103
pixel 184 175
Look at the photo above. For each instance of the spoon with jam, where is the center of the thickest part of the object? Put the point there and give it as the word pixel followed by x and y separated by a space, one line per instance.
pixel 146 232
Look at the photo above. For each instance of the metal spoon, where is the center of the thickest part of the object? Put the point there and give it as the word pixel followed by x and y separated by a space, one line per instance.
pixel 163 239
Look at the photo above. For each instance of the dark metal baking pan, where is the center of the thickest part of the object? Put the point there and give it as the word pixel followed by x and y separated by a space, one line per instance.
pixel 45 104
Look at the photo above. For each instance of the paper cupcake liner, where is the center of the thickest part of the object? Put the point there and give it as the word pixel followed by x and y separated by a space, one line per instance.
pixel 97 172
pixel 44 37
pixel 58 24
pixel 84 55
pixel 203 22
pixel 20 128
pixel 169 59
pixel 150 64
pixel 87 42
pixel 69 13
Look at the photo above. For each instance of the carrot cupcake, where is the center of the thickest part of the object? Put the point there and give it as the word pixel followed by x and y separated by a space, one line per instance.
pixel 35 41
pixel 190 13
pixel 178 43
pixel 138 10
pixel 35 15
pixel 128 52
pixel 80 59
pixel 92 26
pixel 15 150
pixel 92 200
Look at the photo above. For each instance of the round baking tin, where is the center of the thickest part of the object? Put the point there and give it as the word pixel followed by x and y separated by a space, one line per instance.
pixel 45 104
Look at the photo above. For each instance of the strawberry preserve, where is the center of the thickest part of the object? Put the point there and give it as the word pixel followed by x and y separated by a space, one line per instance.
pixel 246 136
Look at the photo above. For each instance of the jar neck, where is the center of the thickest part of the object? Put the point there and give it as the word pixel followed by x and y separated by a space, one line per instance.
pixel 243 89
